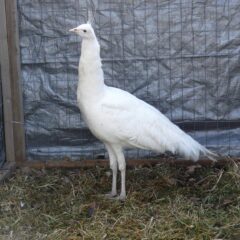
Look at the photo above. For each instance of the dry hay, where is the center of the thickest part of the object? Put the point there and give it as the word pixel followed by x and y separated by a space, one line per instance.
pixel 163 202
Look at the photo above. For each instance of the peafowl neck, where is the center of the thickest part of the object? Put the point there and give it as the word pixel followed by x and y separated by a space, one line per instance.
pixel 90 50
pixel 91 80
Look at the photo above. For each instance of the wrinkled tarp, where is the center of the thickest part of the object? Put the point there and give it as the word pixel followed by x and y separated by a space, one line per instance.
pixel 2 145
pixel 183 57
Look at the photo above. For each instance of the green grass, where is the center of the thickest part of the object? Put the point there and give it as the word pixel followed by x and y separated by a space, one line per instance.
pixel 163 202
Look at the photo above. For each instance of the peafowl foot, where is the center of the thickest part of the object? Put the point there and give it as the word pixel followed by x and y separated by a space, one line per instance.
pixel 121 198
pixel 110 195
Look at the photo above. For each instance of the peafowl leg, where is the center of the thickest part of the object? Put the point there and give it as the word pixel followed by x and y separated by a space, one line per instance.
pixel 122 168
pixel 113 166
pixel 122 195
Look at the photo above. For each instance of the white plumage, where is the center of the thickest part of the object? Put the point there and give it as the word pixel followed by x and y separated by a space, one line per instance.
pixel 119 119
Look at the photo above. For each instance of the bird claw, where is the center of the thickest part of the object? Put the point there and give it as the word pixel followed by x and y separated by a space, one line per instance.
pixel 113 196
pixel 110 195
pixel 120 198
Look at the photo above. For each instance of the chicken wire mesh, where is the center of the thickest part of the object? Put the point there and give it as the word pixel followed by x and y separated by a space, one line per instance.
pixel 181 56
pixel 2 145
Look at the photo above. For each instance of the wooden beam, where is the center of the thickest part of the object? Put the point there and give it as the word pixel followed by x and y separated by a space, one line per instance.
pixel 131 163
pixel 6 86
pixel 15 76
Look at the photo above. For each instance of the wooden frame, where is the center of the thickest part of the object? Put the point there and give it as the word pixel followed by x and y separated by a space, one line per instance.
pixel 105 163
pixel 130 163
pixel 11 83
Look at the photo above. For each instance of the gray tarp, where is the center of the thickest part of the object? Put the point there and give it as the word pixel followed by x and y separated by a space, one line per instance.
pixel 181 56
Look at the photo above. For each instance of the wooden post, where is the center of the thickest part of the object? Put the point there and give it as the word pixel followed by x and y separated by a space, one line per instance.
pixel 11 82
pixel 6 86
pixel 16 84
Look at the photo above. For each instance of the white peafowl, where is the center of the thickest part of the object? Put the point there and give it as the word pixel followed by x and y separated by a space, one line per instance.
pixel 121 120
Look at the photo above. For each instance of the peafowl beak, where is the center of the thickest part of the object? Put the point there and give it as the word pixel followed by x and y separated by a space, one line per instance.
pixel 73 30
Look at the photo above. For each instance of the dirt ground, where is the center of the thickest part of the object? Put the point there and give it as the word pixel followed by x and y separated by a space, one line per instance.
pixel 163 202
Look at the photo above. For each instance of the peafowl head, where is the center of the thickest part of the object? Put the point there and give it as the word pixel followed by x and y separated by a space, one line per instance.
pixel 84 30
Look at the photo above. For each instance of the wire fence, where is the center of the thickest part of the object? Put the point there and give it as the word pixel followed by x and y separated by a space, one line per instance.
pixel 181 56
